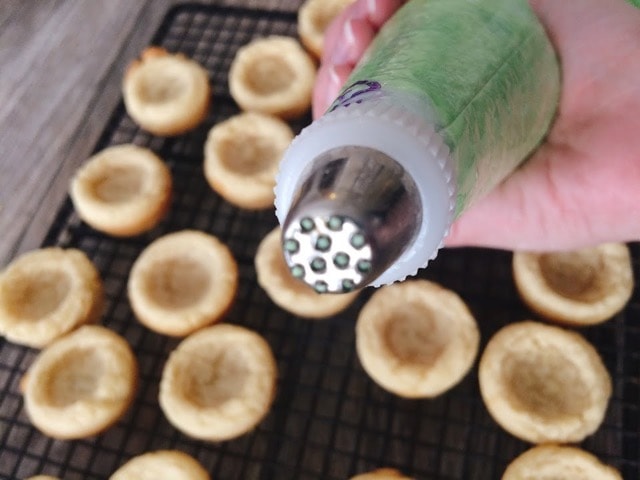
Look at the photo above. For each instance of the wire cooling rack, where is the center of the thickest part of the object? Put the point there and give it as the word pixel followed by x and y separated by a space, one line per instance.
pixel 329 420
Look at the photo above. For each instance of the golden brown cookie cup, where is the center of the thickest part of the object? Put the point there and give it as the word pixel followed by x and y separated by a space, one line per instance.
pixel 576 288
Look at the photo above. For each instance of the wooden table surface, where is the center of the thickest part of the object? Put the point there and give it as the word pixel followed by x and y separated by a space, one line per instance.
pixel 61 64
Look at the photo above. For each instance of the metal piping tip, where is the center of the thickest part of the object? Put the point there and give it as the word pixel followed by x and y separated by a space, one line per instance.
pixel 354 215
pixel 329 253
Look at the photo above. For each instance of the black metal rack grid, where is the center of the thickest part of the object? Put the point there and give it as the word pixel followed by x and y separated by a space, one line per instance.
pixel 329 420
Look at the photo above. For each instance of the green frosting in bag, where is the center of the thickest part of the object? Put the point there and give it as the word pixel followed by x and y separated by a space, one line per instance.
pixel 487 72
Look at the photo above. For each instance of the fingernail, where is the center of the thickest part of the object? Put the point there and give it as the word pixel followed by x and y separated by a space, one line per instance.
pixel 360 9
pixel 329 81
pixel 379 12
pixel 323 91
pixel 339 54
pixel 365 9
pixel 334 82
pixel 342 53
pixel 372 7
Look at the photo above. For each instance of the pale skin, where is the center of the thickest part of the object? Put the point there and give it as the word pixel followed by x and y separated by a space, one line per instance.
pixel 581 187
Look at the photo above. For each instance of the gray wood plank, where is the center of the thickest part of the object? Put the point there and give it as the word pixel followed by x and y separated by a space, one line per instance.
pixel 61 65
pixel 11 10
pixel 62 53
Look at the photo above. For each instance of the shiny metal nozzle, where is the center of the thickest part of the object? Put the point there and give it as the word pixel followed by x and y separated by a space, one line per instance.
pixel 354 215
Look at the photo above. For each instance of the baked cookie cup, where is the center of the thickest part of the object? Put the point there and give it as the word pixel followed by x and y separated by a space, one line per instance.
pixel 161 465
pixel 273 75
pixel 381 474
pixel 314 16
pixel 554 462
pixel 122 190
pixel 544 384
pixel 47 293
pixel 580 287
pixel 81 384
pixel 166 94
pixel 218 383
pixel 241 158
pixel 182 282
pixel 416 339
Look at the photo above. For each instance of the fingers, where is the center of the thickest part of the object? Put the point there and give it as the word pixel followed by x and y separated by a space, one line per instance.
pixel 528 211
pixel 351 32
pixel 581 187
pixel 346 39
pixel 560 199
pixel 329 81
pixel 379 11
pixel 348 43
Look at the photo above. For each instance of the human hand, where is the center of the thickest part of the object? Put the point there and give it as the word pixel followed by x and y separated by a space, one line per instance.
pixel 582 186
pixel 345 40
